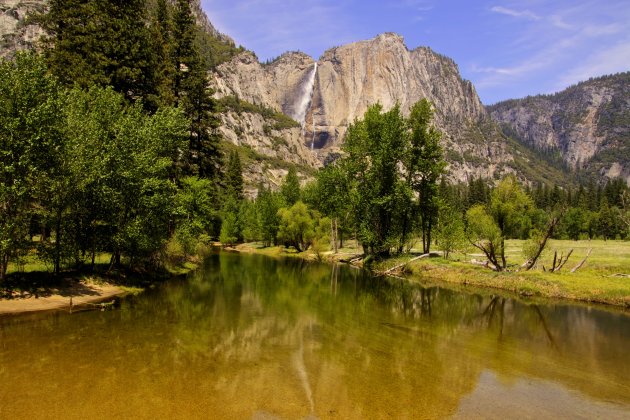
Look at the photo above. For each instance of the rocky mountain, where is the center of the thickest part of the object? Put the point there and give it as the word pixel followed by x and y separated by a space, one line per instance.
pixel 587 125
pixel 327 95
pixel 15 31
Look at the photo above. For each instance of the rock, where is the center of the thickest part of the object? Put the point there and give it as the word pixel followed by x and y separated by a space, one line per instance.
pixel 15 33
pixel 588 124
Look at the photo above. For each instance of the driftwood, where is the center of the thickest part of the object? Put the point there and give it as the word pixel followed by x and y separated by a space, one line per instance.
pixel 577 267
pixel 394 268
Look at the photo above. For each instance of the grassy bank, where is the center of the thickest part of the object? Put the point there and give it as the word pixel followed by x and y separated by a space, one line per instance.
pixel 31 285
pixel 604 277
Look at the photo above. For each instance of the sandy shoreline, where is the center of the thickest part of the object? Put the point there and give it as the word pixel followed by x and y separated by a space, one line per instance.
pixel 80 293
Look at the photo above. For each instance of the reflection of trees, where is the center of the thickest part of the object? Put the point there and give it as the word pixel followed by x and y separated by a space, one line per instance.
pixel 249 333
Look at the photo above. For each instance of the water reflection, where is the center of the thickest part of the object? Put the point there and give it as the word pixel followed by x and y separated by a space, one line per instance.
pixel 251 336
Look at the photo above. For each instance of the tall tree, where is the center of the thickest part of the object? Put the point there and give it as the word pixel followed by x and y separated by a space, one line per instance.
pixel 234 177
pixel 290 188
pixel 30 133
pixel 424 164
pixel 374 150
pixel 194 95
pixel 102 42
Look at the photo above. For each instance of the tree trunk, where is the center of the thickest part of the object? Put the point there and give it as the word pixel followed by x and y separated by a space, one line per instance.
pixel 57 257
pixel 503 262
pixel 334 233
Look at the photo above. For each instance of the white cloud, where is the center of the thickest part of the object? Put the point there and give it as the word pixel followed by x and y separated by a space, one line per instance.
pixel 608 61
pixel 526 14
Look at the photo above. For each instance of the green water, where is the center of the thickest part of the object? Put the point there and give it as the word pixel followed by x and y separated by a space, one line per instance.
pixel 253 337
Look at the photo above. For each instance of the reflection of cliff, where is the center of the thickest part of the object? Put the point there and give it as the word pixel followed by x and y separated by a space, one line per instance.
pixel 255 336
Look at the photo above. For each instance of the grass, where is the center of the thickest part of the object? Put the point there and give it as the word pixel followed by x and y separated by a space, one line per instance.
pixel 597 281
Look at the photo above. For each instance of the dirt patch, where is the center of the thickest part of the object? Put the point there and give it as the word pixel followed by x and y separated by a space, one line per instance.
pixel 78 293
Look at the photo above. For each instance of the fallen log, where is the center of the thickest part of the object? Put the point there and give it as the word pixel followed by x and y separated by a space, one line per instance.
pixel 394 268
pixel 577 267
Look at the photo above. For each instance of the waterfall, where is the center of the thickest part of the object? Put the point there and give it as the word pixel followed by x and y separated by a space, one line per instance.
pixel 306 95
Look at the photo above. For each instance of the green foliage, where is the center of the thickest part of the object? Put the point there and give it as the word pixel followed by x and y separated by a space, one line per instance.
pixel 249 221
pixel 298 226
pixel 104 43
pixel 195 209
pixel 30 138
pixel 387 179
pixel 229 229
pixel 122 160
pixel 290 188
pixel 234 177
pixel 450 232
pixel 484 233
pixel 425 164
pixel 281 121
pixel 267 205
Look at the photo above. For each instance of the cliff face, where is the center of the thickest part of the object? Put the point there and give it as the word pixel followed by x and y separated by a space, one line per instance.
pixel 587 124
pixel 15 34
pixel 328 95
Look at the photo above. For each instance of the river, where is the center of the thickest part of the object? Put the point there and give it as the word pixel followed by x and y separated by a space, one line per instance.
pixel 248 336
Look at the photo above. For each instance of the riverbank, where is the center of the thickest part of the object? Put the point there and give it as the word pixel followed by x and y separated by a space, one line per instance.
pixel 604 278
pixel 35 290
pixel 75 293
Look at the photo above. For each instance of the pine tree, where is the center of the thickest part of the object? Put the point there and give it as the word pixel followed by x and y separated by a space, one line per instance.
pixel 102 43
pixel 290 188
pixel 234 177
pixel 191 92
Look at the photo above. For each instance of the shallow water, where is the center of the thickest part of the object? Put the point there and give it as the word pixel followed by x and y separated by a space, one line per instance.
pixel 253 337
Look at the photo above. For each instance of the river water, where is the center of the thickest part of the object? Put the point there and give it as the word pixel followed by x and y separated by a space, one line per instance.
pixel 253 337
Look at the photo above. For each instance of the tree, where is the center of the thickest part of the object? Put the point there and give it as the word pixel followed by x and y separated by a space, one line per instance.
pixel 234 177
pixel 424 164
pixel 510 207
pixel 330 195
pixel 484 234
pixel 575 222
pixel 195 212
pixel 297 226
pixel 606 220
pixel 249 221
pixel 123 158
pixel 30 132
pixel 290 188
pixel 267 205
pixel 374 150
pixel 450 230
pixel 191 91
pixel 104 43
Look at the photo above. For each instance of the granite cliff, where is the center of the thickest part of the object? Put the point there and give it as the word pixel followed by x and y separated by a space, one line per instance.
pixel 586 125
pixel 328 95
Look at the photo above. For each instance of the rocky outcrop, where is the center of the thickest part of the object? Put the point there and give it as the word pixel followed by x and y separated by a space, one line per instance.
pixel 350 78
pixel 588 124
pixel 16 32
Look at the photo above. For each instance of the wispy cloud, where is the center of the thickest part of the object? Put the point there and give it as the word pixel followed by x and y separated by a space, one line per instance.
pixel 608 61
pixel 526 14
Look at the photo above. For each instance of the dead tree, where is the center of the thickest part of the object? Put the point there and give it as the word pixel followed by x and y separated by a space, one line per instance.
pixel 542 243
pixel 558 263
pixel 577 267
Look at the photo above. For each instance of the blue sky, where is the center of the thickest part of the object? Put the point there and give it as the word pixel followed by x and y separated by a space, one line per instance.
pixel 508 49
